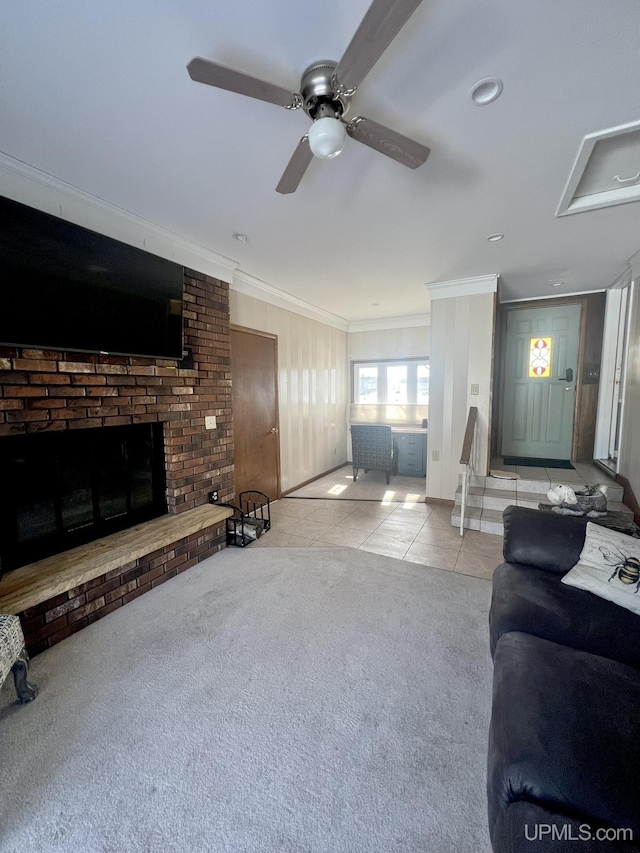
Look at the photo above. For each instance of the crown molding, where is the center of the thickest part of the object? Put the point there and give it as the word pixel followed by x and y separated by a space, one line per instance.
pixel 242 282
pixel 553 296
pixel 28 185
pixel 463 287
pixel 634 263
pixel 24 183
pixel 624 278
pixel 411 321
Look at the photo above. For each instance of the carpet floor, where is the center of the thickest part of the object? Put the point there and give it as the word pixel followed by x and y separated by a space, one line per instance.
pixel 261 701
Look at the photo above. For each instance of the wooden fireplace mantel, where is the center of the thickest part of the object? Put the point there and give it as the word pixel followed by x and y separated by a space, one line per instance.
pixel 38 582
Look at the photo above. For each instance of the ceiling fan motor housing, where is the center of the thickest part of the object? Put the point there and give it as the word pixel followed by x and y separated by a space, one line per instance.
pixel 318 90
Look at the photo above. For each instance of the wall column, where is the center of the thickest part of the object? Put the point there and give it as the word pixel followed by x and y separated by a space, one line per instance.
pixel 462 336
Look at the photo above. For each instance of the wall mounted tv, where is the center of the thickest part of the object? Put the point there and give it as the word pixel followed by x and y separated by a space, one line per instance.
pixel 63 287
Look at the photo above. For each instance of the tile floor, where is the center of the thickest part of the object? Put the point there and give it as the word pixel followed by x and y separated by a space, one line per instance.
pixel 582 472
pixel 413 531
pixel 369 486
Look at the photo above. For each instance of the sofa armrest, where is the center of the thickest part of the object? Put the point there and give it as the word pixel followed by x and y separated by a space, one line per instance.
pixel 546 540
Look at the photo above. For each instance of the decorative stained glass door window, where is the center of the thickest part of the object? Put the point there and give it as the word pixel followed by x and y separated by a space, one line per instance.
pixel 540 358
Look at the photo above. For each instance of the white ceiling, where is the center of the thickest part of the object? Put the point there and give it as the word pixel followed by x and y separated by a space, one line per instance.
pixel 97 95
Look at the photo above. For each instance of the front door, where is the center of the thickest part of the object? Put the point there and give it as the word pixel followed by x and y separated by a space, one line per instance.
pixel 255 412
pixel 540 381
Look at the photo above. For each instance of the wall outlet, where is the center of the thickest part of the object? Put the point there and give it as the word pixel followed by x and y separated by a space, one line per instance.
pixel 435 455
pixel 475 389
pixel 210 422
pixel 213 497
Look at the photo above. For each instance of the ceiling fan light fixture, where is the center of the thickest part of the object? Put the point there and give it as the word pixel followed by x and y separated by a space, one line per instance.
pixel 327 136
pixel 325 92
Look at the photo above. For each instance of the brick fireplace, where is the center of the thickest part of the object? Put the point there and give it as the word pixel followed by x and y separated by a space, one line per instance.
pixel 45 391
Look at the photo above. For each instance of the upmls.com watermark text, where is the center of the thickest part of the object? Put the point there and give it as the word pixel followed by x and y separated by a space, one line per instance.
pixel 568 832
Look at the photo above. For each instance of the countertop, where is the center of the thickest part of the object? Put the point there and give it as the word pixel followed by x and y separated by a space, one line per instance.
pixel 405 429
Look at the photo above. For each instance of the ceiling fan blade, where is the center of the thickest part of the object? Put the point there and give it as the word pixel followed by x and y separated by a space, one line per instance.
pixel 381 24
pixel 296 168
pixel 204 71
pixel 389 142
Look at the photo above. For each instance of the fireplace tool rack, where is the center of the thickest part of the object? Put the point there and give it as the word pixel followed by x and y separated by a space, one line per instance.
pixel 249 520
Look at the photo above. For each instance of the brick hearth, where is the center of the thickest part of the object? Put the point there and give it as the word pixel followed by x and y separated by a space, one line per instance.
pixel 43 391
pixel 57 618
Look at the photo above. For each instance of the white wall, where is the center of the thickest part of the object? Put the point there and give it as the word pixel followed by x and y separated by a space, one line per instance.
pixel 630 437
pixel 313 387
pixel 462 330
pixel 389 343
pixel 411 342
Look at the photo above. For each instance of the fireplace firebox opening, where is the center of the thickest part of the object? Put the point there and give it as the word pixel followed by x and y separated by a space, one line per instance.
pixel 64 489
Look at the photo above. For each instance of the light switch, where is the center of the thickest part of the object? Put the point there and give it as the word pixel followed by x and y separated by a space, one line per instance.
pixel 210 422
pixel 475 389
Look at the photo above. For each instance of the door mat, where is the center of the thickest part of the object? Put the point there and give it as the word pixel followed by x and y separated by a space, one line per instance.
pixel 530 462
pixel 503 475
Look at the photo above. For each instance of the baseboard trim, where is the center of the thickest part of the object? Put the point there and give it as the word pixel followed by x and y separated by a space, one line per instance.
pixel 628 497
pixel 313 479
pixel 439 502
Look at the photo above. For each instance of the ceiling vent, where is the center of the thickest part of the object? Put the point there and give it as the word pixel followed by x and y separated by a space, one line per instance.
pixel 606 171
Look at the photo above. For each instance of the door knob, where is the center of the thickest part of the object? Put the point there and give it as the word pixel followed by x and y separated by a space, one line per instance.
pixel 274 430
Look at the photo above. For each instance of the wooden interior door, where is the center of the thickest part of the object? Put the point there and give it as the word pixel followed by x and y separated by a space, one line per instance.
pixel 254 362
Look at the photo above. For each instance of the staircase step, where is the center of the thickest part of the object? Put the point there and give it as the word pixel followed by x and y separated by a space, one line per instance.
pixel 488 519
pixel 498 498
pixel 472 517
pixel 491 521
pixel 531 499
pixel 618 506
pixel 614 491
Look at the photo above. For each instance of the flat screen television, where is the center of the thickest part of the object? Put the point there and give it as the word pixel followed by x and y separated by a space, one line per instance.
pixel 63 287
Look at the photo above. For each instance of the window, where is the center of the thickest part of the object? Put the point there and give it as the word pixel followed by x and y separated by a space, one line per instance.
pixel 399 383
pixel 367 385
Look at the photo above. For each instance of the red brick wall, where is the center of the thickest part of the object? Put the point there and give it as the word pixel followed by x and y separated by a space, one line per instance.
pixel 54 620
pixel 42 391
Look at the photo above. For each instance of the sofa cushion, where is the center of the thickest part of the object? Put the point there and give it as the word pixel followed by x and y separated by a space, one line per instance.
pixel 609 567
pixel 545 540
pixel 537 602
pixel 564 735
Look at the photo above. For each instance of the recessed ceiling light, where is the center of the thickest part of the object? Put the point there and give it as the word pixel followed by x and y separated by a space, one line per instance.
pixel 487 90
pixel 556 283
pixel 241 238
pixel 493 238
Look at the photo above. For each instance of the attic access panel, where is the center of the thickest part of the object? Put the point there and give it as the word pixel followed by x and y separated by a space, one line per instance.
pixel 606 171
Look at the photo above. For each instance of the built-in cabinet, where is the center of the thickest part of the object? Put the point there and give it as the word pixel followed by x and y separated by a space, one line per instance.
pixel 412 453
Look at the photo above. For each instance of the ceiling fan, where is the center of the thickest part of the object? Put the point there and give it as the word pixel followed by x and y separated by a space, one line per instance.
pixel 326 89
